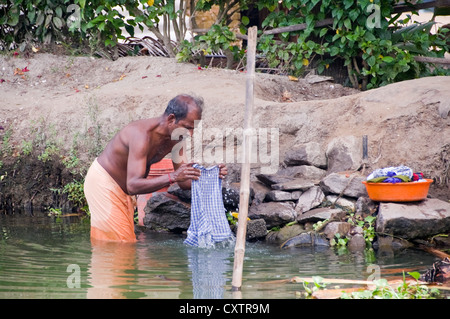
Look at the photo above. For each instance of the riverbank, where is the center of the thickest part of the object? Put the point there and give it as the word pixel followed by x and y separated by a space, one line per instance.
pixel 58 112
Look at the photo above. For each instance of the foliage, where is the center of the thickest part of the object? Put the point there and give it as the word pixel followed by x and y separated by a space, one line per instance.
pixel 404 291
pixel 217 38
pixel 372 45
pixel 382 290
pixel 75 193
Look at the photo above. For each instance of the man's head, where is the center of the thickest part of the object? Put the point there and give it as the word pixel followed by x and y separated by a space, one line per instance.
pixel 182 104
pixel 182 112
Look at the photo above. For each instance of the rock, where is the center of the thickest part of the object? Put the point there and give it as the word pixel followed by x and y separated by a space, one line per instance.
pixel 183 194
pixel 306 154
pixel 279 196
pixel 270 179
pixel 356 242
pixel 231 195
pixel 167 212
pixel 274 213
pixel 414 220
pixel 310 199
pixel 345 203
pixel 348 184
pixel 303 239
pixel 306 239
pixel 365 205
pixel 303 171
pixel 260 191
pixel 320 214
pixel 296 184
pixel 256 229
pixel 344 153
pixel 285 233
pixel 333 228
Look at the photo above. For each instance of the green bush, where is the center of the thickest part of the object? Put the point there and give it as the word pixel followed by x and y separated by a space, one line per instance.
pixel 365 34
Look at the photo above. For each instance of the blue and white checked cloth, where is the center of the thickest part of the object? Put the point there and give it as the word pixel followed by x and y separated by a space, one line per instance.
pixel 209 224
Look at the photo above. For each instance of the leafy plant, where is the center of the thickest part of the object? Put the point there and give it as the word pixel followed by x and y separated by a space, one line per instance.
pixel 217 38
pixel 75 193
pixel 367 224
pixel 317 284
pixel 373 45
pixel 406 290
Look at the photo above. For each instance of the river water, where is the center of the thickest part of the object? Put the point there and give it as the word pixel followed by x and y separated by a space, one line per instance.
pixel 46 257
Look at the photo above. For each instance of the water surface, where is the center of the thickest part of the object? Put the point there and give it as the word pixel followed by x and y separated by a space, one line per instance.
pixel 44 257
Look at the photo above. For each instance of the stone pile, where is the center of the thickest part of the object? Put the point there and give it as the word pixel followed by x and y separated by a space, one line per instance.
pixel 311 186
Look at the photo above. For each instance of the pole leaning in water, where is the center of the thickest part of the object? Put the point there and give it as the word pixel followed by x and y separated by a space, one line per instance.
pixel 244 193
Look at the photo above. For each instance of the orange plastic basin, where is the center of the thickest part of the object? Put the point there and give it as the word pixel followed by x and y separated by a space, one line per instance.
pixel 398 192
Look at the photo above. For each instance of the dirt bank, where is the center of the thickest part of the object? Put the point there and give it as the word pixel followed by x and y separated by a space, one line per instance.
pixel 80 102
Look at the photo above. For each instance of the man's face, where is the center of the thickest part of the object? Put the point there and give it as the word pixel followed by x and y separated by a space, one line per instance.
pixel 188 123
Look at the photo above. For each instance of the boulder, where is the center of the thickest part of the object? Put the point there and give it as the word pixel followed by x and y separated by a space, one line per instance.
pixel 320 214
pixel 343 202
pixel 274 213
pixel 285 233
pixel 167 212
pixel 333 228
pixel 306 154
pixel 293 185
pixel 306 239
pixel 303 171
pixel 310 199
pixel 260 191
pixel 348 184
pixel 279 196
pixel 270 179
pixel 256 228
pixel 356 243
pixel 414 220
pixel 344 153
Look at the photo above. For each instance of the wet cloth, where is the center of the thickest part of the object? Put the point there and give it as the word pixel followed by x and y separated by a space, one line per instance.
pixel 112 210
pixel 209 224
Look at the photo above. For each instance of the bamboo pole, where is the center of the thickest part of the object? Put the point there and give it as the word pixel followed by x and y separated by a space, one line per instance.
pixel 239 250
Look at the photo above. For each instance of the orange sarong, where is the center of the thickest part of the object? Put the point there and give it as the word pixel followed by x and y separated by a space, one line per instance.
pixel 112 210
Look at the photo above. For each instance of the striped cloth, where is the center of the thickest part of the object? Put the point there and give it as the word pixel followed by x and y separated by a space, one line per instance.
pixel 209 224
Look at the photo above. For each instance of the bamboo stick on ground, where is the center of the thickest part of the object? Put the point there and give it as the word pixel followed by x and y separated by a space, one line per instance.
pixel 239 250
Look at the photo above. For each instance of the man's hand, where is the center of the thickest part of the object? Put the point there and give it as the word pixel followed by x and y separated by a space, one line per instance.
pixel 185 172
pixel 223 171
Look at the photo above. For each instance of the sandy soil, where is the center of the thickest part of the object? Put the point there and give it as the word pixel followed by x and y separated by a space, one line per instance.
pixel 73 98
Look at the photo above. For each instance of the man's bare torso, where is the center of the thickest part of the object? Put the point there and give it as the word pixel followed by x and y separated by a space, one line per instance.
pixel 140 139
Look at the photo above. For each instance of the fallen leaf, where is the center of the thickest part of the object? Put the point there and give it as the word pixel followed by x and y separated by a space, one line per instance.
pixel 158 76
pixel 18 71
pixel 292 78
pixel 144 77
pixel 25 69
pixel 35 50
pixel 2 80
pixel 86 86
pixel 121 77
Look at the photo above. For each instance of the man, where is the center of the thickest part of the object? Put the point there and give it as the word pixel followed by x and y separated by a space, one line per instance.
pixel 121 170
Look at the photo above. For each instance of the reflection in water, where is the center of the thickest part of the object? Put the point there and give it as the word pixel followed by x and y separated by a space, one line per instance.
pixel 209 271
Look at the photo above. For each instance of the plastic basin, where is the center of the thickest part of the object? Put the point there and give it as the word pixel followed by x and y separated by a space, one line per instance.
pixel 398 192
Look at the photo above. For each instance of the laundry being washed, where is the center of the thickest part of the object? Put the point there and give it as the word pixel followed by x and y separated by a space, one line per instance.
pixel 209 224
pixel 395 174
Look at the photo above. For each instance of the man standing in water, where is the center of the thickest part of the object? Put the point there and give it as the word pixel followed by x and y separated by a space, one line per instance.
pixel 121 170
